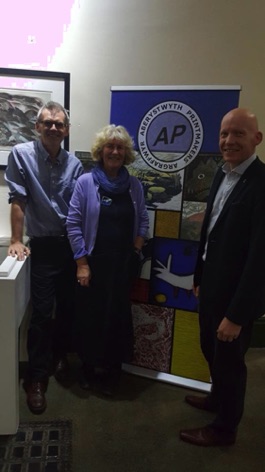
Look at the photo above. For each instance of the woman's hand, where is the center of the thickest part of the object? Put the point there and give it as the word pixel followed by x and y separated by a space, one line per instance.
pixel 83 273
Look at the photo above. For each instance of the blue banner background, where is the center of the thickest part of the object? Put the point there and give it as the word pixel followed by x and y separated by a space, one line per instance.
pixel 129 107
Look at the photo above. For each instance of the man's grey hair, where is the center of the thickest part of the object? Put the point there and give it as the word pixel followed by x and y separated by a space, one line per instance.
pixel 54 107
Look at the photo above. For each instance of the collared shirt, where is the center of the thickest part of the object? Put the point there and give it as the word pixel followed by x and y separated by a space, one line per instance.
pixel 227 185
pixel 44 185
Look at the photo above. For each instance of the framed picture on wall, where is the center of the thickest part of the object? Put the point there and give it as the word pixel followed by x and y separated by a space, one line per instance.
pixel 86 160
pixel 22 94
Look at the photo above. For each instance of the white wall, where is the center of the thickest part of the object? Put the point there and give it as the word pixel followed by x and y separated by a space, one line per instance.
pixel 157 42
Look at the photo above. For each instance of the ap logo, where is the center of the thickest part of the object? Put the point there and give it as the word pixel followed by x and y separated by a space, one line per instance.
pixel 170 136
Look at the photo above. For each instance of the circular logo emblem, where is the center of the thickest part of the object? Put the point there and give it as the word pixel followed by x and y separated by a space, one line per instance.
pixel 170 136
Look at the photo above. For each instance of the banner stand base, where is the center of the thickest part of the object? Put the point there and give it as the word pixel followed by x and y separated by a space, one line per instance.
pixel 163 377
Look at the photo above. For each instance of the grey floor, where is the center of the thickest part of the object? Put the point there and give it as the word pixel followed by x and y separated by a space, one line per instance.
pixel 138 430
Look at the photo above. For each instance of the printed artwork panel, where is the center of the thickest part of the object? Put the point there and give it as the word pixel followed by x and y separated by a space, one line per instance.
pixel 172 273
pixel 140 290
pixel 191 221
pixel 162 190
pixel 153 336
pixel 199 176
pixel 167 224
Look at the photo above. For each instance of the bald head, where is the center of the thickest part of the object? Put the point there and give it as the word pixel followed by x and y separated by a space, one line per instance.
pixel 242 115
pixel 239 136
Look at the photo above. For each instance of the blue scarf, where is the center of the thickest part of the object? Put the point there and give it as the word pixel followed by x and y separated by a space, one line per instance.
pixel 117 185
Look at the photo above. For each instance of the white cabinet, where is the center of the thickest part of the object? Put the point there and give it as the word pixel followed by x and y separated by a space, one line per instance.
pixel 14 299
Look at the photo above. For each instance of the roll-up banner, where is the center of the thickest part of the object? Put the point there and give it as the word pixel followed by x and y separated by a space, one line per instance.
pixel 176 133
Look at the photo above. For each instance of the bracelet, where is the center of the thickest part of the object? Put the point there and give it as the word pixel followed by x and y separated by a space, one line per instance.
pixel 137 250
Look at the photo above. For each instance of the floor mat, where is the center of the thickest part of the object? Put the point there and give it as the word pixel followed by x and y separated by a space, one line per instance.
pixel 38 446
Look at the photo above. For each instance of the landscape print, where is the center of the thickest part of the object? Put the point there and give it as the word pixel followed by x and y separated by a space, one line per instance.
pixel 18 111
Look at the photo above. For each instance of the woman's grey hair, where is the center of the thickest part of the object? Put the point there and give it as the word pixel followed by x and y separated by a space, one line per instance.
pixel 54 107
pixel 108 133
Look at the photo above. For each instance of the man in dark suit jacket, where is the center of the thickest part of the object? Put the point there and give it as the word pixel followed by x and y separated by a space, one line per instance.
pixel 230 276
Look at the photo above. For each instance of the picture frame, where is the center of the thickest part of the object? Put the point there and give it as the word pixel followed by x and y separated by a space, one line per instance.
pixel 86 160
pixel 28 89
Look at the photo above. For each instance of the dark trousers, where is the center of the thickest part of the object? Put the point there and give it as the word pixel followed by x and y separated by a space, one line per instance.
pixel 52 286
pixel 103 321
pixel 228 370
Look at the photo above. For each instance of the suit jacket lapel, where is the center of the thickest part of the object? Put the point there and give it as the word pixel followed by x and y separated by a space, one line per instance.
pixel 252 169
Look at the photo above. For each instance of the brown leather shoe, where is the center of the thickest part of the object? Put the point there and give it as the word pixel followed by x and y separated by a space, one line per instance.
pixel 61 370
pixel 203 403
pixel 36 397
pixel 208 436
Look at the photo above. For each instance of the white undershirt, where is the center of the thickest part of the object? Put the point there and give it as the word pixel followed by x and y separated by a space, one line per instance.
pixel 228 183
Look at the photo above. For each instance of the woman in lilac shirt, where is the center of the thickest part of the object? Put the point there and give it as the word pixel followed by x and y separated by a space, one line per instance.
pixel 107 225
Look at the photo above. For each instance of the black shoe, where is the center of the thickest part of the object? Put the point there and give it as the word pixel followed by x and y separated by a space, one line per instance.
pixel 87 378
pixel 109 382
pixel 61 369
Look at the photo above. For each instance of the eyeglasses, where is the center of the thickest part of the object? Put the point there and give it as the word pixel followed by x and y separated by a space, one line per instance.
pixel 49 124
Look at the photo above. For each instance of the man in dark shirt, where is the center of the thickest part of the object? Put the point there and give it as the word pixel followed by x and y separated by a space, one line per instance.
pixel 41 176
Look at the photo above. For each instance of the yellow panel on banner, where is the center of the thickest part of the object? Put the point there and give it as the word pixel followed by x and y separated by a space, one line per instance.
pixel 187 359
